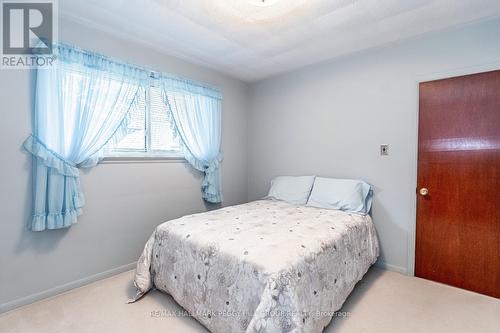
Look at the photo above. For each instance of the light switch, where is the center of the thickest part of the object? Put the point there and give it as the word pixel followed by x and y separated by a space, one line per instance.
pixel 384 150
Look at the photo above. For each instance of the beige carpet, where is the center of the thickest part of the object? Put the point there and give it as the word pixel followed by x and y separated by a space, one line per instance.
pixel 382 302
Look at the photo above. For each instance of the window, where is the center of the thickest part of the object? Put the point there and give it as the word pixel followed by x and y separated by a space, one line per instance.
pixel 150 133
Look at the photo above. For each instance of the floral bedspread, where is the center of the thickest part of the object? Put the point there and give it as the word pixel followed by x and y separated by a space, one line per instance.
pixel 264 266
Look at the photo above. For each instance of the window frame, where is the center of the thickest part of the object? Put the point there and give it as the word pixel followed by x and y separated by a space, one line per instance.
pixel 149 155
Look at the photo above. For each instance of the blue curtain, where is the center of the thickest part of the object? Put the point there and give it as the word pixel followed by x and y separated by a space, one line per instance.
pixel 195 113
pixel 81 103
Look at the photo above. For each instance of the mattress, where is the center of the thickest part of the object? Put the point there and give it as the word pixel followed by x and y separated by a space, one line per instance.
pixel 264 266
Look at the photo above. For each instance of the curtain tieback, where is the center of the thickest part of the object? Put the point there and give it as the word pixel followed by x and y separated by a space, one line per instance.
pixel 50 158
pixel 214 164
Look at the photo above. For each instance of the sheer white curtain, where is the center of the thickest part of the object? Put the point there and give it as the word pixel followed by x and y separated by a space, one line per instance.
pixel 196 120
pixel 80 104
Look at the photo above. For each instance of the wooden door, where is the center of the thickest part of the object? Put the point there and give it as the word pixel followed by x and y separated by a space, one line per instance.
pixel 458 185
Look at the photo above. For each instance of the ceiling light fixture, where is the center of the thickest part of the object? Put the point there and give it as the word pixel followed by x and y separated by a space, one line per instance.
pixel 261 10
pixel 237 12
pixel 262 3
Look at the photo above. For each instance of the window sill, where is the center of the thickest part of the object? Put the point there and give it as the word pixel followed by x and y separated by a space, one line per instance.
pixel 142 159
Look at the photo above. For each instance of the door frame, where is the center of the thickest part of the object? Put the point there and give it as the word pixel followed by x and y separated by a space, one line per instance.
pixel 412 230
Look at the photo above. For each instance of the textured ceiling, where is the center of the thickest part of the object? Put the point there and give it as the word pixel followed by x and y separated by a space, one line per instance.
pixel 250 40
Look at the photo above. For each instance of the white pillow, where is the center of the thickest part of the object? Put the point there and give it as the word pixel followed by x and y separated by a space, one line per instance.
pixel 343 194
pixel 294 190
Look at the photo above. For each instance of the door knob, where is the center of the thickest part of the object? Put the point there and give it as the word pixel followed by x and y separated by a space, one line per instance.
pixel 424 191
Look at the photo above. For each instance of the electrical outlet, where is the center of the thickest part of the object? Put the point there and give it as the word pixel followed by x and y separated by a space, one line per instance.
pixel 384 150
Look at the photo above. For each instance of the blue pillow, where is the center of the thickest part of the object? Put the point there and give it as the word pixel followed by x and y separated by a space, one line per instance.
pixel 349 195
pixel 294 190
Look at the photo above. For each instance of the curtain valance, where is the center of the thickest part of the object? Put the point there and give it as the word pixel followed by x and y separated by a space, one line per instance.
pixel 68 54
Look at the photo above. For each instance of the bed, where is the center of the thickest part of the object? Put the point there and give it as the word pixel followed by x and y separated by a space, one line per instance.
pixel 264 266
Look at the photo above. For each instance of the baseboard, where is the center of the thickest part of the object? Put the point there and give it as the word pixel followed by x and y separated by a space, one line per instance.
pixel 390 267
pixel 99 276
pixel 11 305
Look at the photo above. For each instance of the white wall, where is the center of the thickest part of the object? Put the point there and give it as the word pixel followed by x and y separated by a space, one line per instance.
pixel 124 201
pixel 329 119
